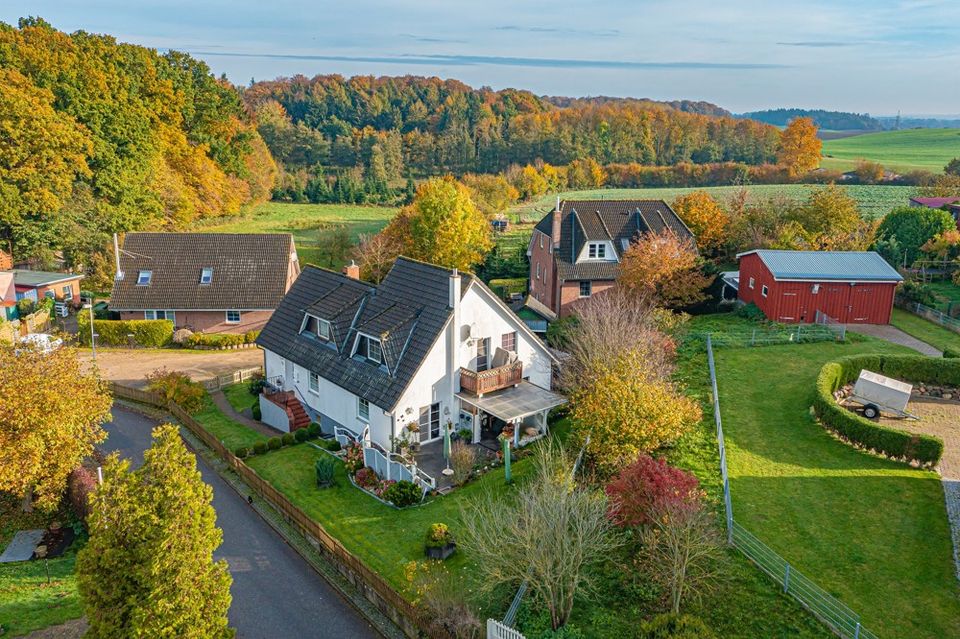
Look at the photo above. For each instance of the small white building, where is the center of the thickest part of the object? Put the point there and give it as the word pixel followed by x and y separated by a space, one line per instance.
pixel 426 347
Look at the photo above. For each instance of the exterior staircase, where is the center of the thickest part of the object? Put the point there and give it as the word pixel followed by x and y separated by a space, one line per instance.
pixel 296 415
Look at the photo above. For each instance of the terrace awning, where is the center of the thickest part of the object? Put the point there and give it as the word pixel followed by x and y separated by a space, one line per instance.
pixel 515 403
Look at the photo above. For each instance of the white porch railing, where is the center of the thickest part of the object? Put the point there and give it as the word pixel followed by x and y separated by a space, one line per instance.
pixel 392 466
pixel 497 630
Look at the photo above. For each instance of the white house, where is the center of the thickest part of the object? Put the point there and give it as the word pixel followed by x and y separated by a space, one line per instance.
pixel 427 346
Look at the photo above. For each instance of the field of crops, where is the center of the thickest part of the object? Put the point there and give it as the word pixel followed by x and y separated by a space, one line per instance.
pixel 874 200
pixel 909 150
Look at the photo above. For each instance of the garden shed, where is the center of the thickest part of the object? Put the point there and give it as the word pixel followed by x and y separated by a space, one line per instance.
pixel 850 287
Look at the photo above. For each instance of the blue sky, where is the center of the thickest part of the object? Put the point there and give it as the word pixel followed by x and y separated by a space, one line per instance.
pixel 877 56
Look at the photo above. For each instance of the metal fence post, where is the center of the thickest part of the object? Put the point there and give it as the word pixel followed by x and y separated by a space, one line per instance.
pixel 856 632
pixel 786 579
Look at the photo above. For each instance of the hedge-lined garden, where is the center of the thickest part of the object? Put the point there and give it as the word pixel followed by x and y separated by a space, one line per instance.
pixel 150 333
pixel 892 442
pixel 220 340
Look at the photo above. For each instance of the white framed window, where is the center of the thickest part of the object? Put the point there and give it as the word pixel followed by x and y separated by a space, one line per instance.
pixel 144 277
pixel 508 342
pixel 323 329
pixel 159 315
pixel 150 315
pixel 483 350
pixel 597 251
pixel 314 383
pixel 751 283
pixel 67 293
pixel 369 348
pixel 541 240
pixel 586 288
pixel 233 317
pixel 764 290
pixel 363 409
pixel 206 275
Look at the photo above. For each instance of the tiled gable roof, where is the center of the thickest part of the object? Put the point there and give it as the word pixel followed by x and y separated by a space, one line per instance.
pixel 407 312
pixel 618 221
pixel 250 271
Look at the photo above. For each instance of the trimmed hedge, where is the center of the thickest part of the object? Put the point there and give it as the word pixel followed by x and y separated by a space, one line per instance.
pixel 892 442
pixel 152 333
pixel 220 340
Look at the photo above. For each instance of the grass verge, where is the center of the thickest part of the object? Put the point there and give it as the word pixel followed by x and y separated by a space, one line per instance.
pixel 225 429
pixel 925 330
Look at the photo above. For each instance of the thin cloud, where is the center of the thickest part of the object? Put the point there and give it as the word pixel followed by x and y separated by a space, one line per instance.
pixel 597 33
pixel 503 61
pixel 817 44
pixel 431 39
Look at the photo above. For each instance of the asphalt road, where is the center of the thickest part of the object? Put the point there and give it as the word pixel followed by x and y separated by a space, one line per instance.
pixel 275 593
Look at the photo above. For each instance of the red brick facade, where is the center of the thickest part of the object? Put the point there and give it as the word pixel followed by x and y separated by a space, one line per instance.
pixel 58 290
pixel 211 321
pixel 543 281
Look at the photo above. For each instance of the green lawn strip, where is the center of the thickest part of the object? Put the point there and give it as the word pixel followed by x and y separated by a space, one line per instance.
pixel 946 292
pixel 871 531
pixel 239 396
pixel 28 602
pixel 225 429
pixel 925 330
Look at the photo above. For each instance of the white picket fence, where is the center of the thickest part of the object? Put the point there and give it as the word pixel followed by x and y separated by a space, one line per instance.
pixel 497 630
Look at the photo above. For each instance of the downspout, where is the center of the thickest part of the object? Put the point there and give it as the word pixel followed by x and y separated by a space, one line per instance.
pixel 453 337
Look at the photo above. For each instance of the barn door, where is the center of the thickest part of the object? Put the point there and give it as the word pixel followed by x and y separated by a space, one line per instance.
pixel 833 301
pixel 860 304
pixel 789 304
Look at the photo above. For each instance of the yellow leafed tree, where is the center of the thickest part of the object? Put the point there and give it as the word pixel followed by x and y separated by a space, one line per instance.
pixel 705 217
pixel 799 149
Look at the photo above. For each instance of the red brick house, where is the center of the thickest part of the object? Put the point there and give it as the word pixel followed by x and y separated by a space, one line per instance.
pixel 207 282
pixel 575 250
pixel 793 286
pixel 36 285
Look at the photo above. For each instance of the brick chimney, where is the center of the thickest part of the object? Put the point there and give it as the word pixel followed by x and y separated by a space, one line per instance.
pixel 555 229
pixel 351 270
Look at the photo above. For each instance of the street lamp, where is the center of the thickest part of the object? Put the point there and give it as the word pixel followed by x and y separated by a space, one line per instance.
pixel 93 336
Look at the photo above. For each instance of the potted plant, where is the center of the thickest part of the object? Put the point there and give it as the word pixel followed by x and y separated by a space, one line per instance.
pixel 466 435
pixel 439 544
pixel 413 428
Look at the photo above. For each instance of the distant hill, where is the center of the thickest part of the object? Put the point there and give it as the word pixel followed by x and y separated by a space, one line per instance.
pixel 907 122
pixel 834 120
pixel 687 106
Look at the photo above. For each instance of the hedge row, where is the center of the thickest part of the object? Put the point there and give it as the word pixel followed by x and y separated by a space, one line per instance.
pixel 220 340
pixel 892 442
pixel 152 333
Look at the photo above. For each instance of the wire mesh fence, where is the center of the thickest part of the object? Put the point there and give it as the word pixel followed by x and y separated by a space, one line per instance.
pixel 831 611
pixel 770 335
pixel 935 316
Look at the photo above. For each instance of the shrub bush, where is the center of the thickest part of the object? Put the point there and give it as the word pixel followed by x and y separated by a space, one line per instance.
pixel 301 435
pixel 353 459
pixel 403 493
pixel 259 448
pixel 925 449
pixel 241 451
pixel 256 384
pixel 911 292
pixel 274 443
pixel 366 478
pixel 325 467
pixel 177 387
pixel 951 353
pixel 288 438
pixel 213 340
pixel 256 412
pixel 647 488
pixel 751 312
pixel 150 333
pixel 314 429
pixel 673 626
pixel 462 460
pixel 438 536
pixel 250 337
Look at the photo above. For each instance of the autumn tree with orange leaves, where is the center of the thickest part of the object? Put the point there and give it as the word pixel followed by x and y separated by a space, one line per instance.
pixel 664 268
pixel 706 218
pixel 799 149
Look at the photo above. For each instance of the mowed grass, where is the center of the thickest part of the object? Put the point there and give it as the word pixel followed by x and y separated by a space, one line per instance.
pixel 908 150
pixel 239 396
pixel 229 432
pixel 872 532
pixel 28 602
pixel 875 201
pixel 925 330
pixel 310 224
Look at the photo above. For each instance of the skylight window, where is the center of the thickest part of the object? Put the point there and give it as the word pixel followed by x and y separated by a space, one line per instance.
pixel 144 277
pixel 206 275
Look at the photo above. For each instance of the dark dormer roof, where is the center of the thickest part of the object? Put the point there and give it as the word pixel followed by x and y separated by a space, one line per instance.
pixel 250 271
pixel 617 221
pixel 407 312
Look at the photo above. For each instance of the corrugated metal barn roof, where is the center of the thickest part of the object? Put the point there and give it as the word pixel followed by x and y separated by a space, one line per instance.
pixel 865 266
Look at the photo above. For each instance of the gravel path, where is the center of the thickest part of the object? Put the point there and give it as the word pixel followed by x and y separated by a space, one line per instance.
pixel 896 336
pixel 131 366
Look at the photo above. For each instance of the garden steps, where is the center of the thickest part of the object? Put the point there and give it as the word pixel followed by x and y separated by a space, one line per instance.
pixel 297 416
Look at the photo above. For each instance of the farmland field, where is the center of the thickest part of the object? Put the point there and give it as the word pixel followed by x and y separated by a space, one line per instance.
pixel 909 150
pixel 310 224
pixel 874 200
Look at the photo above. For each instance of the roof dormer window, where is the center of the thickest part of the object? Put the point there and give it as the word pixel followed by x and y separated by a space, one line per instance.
pixel 369 348
pixel 323 329
pixel 206 275
pixel 597 251
pixel 318 327
pixel 144 277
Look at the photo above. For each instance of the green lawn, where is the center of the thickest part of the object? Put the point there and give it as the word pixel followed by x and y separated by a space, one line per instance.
pixel 225 429
pixel 239 396
pixel 907 150
pixel 925 330
pixel 875 201
pixel 310 224
pixel 871 531
pixel 28 602
pixel 947 293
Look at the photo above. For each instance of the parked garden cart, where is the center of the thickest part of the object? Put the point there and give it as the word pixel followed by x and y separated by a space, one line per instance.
pixel 878 393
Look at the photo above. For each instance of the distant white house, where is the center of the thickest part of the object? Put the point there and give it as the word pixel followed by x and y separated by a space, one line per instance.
pixel 426 347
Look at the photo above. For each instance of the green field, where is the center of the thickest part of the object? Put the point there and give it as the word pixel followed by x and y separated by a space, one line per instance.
pixel 909 150
pixel 310 224
pixel 872 532
pixel 874 200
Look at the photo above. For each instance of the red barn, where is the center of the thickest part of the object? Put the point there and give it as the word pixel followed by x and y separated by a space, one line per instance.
pixel 792 286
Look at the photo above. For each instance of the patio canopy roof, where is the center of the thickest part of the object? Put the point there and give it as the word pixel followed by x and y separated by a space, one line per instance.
pixel 516 402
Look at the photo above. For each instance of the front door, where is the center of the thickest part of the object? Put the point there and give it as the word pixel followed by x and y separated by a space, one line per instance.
pixel 430 422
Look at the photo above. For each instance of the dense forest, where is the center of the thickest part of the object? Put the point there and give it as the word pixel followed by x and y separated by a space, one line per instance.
pixel 399 126
pixel 98 136
pixel 832 120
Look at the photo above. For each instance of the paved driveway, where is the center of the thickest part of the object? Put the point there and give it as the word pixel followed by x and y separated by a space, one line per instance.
pixel 275 593
pixel 896 336
pixel 130 367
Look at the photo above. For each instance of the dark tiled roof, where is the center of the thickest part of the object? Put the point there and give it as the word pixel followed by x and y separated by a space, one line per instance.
pixel 249 271
pixel 617 220
pixel 407 311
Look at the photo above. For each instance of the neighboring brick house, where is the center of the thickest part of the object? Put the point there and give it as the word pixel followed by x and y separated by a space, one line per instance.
pixel 575 250
pixel 36 285
pixel 800 286
pixel 207 282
